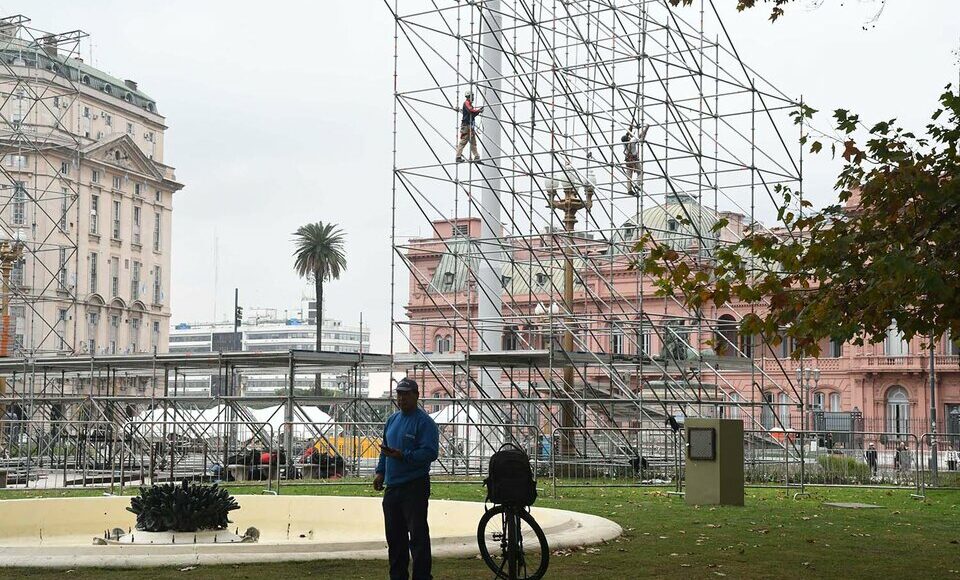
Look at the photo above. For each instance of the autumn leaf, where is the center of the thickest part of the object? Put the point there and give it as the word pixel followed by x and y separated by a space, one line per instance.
pixel 849 150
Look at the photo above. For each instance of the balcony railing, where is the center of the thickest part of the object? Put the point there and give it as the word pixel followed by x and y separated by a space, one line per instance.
pixel 910 361
pixel 874 363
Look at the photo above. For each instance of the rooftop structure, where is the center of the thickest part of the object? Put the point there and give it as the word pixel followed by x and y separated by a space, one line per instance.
pixel 262 334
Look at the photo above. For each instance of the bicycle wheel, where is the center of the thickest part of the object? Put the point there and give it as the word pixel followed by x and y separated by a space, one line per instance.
pixel 529 553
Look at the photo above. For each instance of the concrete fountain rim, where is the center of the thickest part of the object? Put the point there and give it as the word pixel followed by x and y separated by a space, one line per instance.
pixel 563 528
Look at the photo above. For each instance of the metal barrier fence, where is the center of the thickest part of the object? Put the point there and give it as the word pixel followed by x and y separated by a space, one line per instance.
pixel 643 456
pixel 616 456
pixel 940 464
pixel 41 454
pixel 801 458
pixel 170 451
pixel 61 454
pixel 64 454
pixel 319 453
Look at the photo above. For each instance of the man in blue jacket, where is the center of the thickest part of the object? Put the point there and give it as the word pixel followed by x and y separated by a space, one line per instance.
pixel 410 445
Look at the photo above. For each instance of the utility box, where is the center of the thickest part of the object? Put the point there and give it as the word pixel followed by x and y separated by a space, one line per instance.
pixel 714 458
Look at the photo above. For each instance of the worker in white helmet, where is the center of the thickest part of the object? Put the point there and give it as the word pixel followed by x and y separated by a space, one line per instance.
pixel 468 127
pixel 631 153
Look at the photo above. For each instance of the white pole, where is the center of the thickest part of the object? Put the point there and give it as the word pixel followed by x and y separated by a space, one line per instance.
pixel 489 290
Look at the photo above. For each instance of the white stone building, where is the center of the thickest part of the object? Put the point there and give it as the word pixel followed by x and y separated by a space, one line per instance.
pixel 85 190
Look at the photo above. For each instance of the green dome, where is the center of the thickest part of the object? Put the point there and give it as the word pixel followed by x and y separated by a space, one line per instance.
pixel 679 223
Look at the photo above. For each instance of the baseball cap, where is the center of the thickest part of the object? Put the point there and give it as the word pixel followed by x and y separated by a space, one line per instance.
pixel 407 385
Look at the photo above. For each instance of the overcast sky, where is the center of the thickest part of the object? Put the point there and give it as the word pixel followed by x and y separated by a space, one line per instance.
pixel 279 114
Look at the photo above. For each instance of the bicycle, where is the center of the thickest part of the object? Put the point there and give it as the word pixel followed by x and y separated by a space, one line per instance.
pixel 505 527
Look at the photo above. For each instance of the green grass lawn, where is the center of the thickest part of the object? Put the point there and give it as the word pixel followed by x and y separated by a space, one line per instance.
pixel 773 536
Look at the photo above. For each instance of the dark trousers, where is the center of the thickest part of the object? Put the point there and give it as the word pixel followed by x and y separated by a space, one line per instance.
pixel 405 521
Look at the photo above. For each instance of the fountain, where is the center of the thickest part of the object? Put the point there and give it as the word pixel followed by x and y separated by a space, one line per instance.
pixel 57 532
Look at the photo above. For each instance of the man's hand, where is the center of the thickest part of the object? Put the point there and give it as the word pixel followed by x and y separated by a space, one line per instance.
pixel 378 482
pixel 391 452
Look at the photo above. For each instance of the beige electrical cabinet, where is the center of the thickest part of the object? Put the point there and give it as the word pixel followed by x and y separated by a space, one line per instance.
pixel 714 459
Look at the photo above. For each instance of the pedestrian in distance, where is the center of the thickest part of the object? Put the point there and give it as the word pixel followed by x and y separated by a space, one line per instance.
pixel 410 444
pixel 468 127
pixel 871 456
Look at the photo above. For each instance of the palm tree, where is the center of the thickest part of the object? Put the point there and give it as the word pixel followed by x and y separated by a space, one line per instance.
pixel 319 254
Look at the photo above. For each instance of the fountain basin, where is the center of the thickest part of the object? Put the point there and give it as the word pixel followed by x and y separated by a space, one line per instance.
pixel 59 532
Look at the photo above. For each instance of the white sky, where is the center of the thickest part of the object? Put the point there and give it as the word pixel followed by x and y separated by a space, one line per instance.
pixel 280 114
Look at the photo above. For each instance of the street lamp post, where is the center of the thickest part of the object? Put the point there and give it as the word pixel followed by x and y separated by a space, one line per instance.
pixel 806 377
pixel 565 195
pixel 934 460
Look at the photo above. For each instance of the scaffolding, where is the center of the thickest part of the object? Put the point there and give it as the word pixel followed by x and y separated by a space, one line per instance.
pixel 520 311
pixel 95 421
pixel 41 150
pixel 524 293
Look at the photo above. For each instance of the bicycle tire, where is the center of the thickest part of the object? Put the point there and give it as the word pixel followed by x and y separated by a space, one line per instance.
pixel 500 567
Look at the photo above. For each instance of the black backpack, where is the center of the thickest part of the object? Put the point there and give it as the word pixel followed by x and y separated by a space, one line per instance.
pixel 510 480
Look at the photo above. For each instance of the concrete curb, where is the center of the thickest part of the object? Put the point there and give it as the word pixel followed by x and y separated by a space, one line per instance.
pixel 454 522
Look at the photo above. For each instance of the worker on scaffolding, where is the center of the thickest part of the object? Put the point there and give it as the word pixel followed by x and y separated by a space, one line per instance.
pixel 631 153
pixel 468 127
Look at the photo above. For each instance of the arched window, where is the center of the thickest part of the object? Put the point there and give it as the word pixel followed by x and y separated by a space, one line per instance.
pixel 951 345
pixel 591 338
pixel 953 423
pixel 644 340
pixel 725 339
pixel 511 338
pixel 766 413
pixel 898 410
pixel 616 337
pixel 675 338
pixel 439 344
pixel 447 343
pixel 835 402
pixel 135 323
pixel 784 411
pixel 114 331
pixel 818 401
pixel 786 345
pixel 732 411
pixel 93 329
pixel 529 335
pixel 836 348
pixel 746 343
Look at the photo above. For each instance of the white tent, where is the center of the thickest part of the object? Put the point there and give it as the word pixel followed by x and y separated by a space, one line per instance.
pixel 465 432
pixel 308 422
pixel 212 422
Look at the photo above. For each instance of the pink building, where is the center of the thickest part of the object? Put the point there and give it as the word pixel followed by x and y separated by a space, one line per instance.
pixel 879 387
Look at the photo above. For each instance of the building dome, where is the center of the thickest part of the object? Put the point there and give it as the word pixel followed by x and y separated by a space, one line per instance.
pixel 679 223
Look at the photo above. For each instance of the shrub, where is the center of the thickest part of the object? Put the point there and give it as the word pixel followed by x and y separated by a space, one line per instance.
pixel 843 469
pixel 184 508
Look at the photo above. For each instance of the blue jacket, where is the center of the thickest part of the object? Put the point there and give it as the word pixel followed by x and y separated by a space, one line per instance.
pixel 415 434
